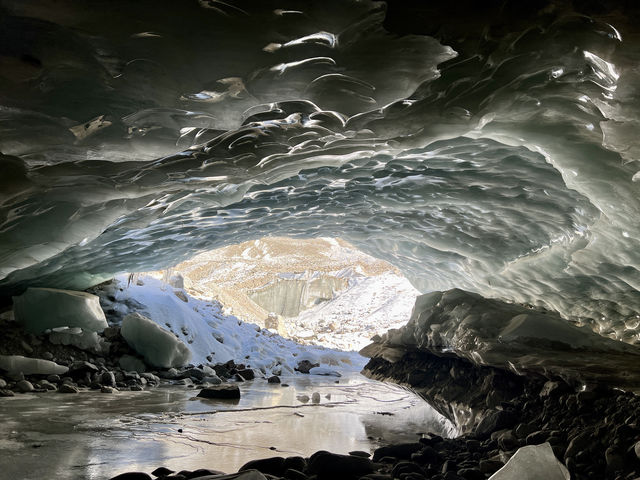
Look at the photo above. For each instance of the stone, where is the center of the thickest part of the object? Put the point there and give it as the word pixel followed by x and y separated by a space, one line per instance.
pixel 305 365
pixel 5 392
pixel 273 379
pixel 247 374
pixel 108 379
pixel 39 309
pixel 25 386
pixel 107 389
pixel 132 476
pixel 328 466
pixel 161 472
pixel 79 368
pixel 271 466
pixel 68 388
pixel 401 450
pixel 220 392
pixel 496 420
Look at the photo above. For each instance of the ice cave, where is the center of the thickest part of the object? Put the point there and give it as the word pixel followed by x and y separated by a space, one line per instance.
pixel 319 240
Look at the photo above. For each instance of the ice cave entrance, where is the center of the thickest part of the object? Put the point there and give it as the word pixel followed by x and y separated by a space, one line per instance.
pixel 321 291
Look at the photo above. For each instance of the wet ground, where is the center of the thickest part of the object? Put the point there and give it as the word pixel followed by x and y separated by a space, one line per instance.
pixel 96 436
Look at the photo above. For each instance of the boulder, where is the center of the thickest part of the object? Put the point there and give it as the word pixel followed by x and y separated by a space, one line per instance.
pixel 159 347
pixel 220 391
pixel 328 465
pixel 40 309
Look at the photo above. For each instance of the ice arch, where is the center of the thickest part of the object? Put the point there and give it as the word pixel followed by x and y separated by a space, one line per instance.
pixel 502 160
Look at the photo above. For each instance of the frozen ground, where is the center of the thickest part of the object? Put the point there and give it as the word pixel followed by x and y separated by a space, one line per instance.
pixel 95 436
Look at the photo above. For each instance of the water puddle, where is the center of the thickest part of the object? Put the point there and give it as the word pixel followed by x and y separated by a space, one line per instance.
pixel 96 436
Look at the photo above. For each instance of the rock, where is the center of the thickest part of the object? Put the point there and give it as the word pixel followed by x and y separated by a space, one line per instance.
pixel 53 378
pixel 213 380
pixel 405 467
pixel 24 386
pixel 614 459
pixel 496 420
pixel 161 472
pixel 273 379
pixel 136 388
pixel 195 373
pixel 111 333
pixel 159 347
pixel 220 391
pixel 401 450
pixel 328 465
pixel 470 474
pixel 4 392
pixel 554 389
pixel 636 449
pixel 107 389
pixel 108 379
pixel 39 309
pixel 360 453
pixel 30 366
pixel 579 442
pixel 47 385
pixel 3 383
pixel 68 388
pixel 490 465
pixel 132 476
pixel 328 372
pixel 181 295
pixel 293 474
pixel 130 363
pixel 246 374
pixel 305 365
pixel 315 397
pixel 47 356
pixel 271 466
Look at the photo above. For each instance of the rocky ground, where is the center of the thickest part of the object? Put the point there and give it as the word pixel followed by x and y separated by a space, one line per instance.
pixel 110 372
pixel 594 431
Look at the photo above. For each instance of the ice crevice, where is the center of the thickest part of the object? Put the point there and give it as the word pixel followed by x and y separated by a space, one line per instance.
pixel 504 164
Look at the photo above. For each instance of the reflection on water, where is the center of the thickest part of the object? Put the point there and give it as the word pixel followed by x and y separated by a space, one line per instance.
pixel 94 435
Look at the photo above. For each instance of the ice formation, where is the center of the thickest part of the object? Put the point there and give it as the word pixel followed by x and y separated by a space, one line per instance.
pixel 533 462
pixel 159 347
pixel 30 366
pixel 40 309
pixel 497 153
pixel 511 336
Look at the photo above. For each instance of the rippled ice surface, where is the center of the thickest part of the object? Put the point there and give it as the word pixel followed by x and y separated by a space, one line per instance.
pixel 97 436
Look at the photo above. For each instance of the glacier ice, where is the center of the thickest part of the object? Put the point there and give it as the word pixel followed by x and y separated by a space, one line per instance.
pixel 40 309
pixel 533 462
pixel 493 332
pixel 30 366
pixel 159 347
pixel 84 340
pixel 503 165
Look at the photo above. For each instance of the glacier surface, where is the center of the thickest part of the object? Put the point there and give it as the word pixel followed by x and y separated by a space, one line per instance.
pixel 496 152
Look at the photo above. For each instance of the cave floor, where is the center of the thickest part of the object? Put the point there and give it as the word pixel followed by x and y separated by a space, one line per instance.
pixel 96 436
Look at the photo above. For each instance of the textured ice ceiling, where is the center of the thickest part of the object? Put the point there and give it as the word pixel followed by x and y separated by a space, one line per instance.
pixel 488 148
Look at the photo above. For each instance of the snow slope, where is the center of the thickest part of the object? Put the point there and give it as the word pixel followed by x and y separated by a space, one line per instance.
pixel 212 336
pixel 369 306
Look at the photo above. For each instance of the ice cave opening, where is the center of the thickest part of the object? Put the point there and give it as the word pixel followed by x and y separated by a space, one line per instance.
pixel 486 151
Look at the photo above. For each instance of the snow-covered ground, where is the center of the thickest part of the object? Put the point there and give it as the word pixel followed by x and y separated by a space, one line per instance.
pixel 369 306
pixel 212 336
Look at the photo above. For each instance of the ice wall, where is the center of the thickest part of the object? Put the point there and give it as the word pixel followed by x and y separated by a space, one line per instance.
pixel 497 154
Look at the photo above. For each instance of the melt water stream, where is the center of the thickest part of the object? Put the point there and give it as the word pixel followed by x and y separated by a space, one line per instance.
pixel 95 436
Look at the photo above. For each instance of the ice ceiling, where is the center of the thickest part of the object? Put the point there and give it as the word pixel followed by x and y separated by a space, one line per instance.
pixel 491 149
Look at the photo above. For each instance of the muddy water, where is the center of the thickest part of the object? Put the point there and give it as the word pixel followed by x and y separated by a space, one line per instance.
pixel 96 436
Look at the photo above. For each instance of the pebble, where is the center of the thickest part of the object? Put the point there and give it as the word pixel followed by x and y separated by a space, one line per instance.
pixel 25 386
pixel 68 388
